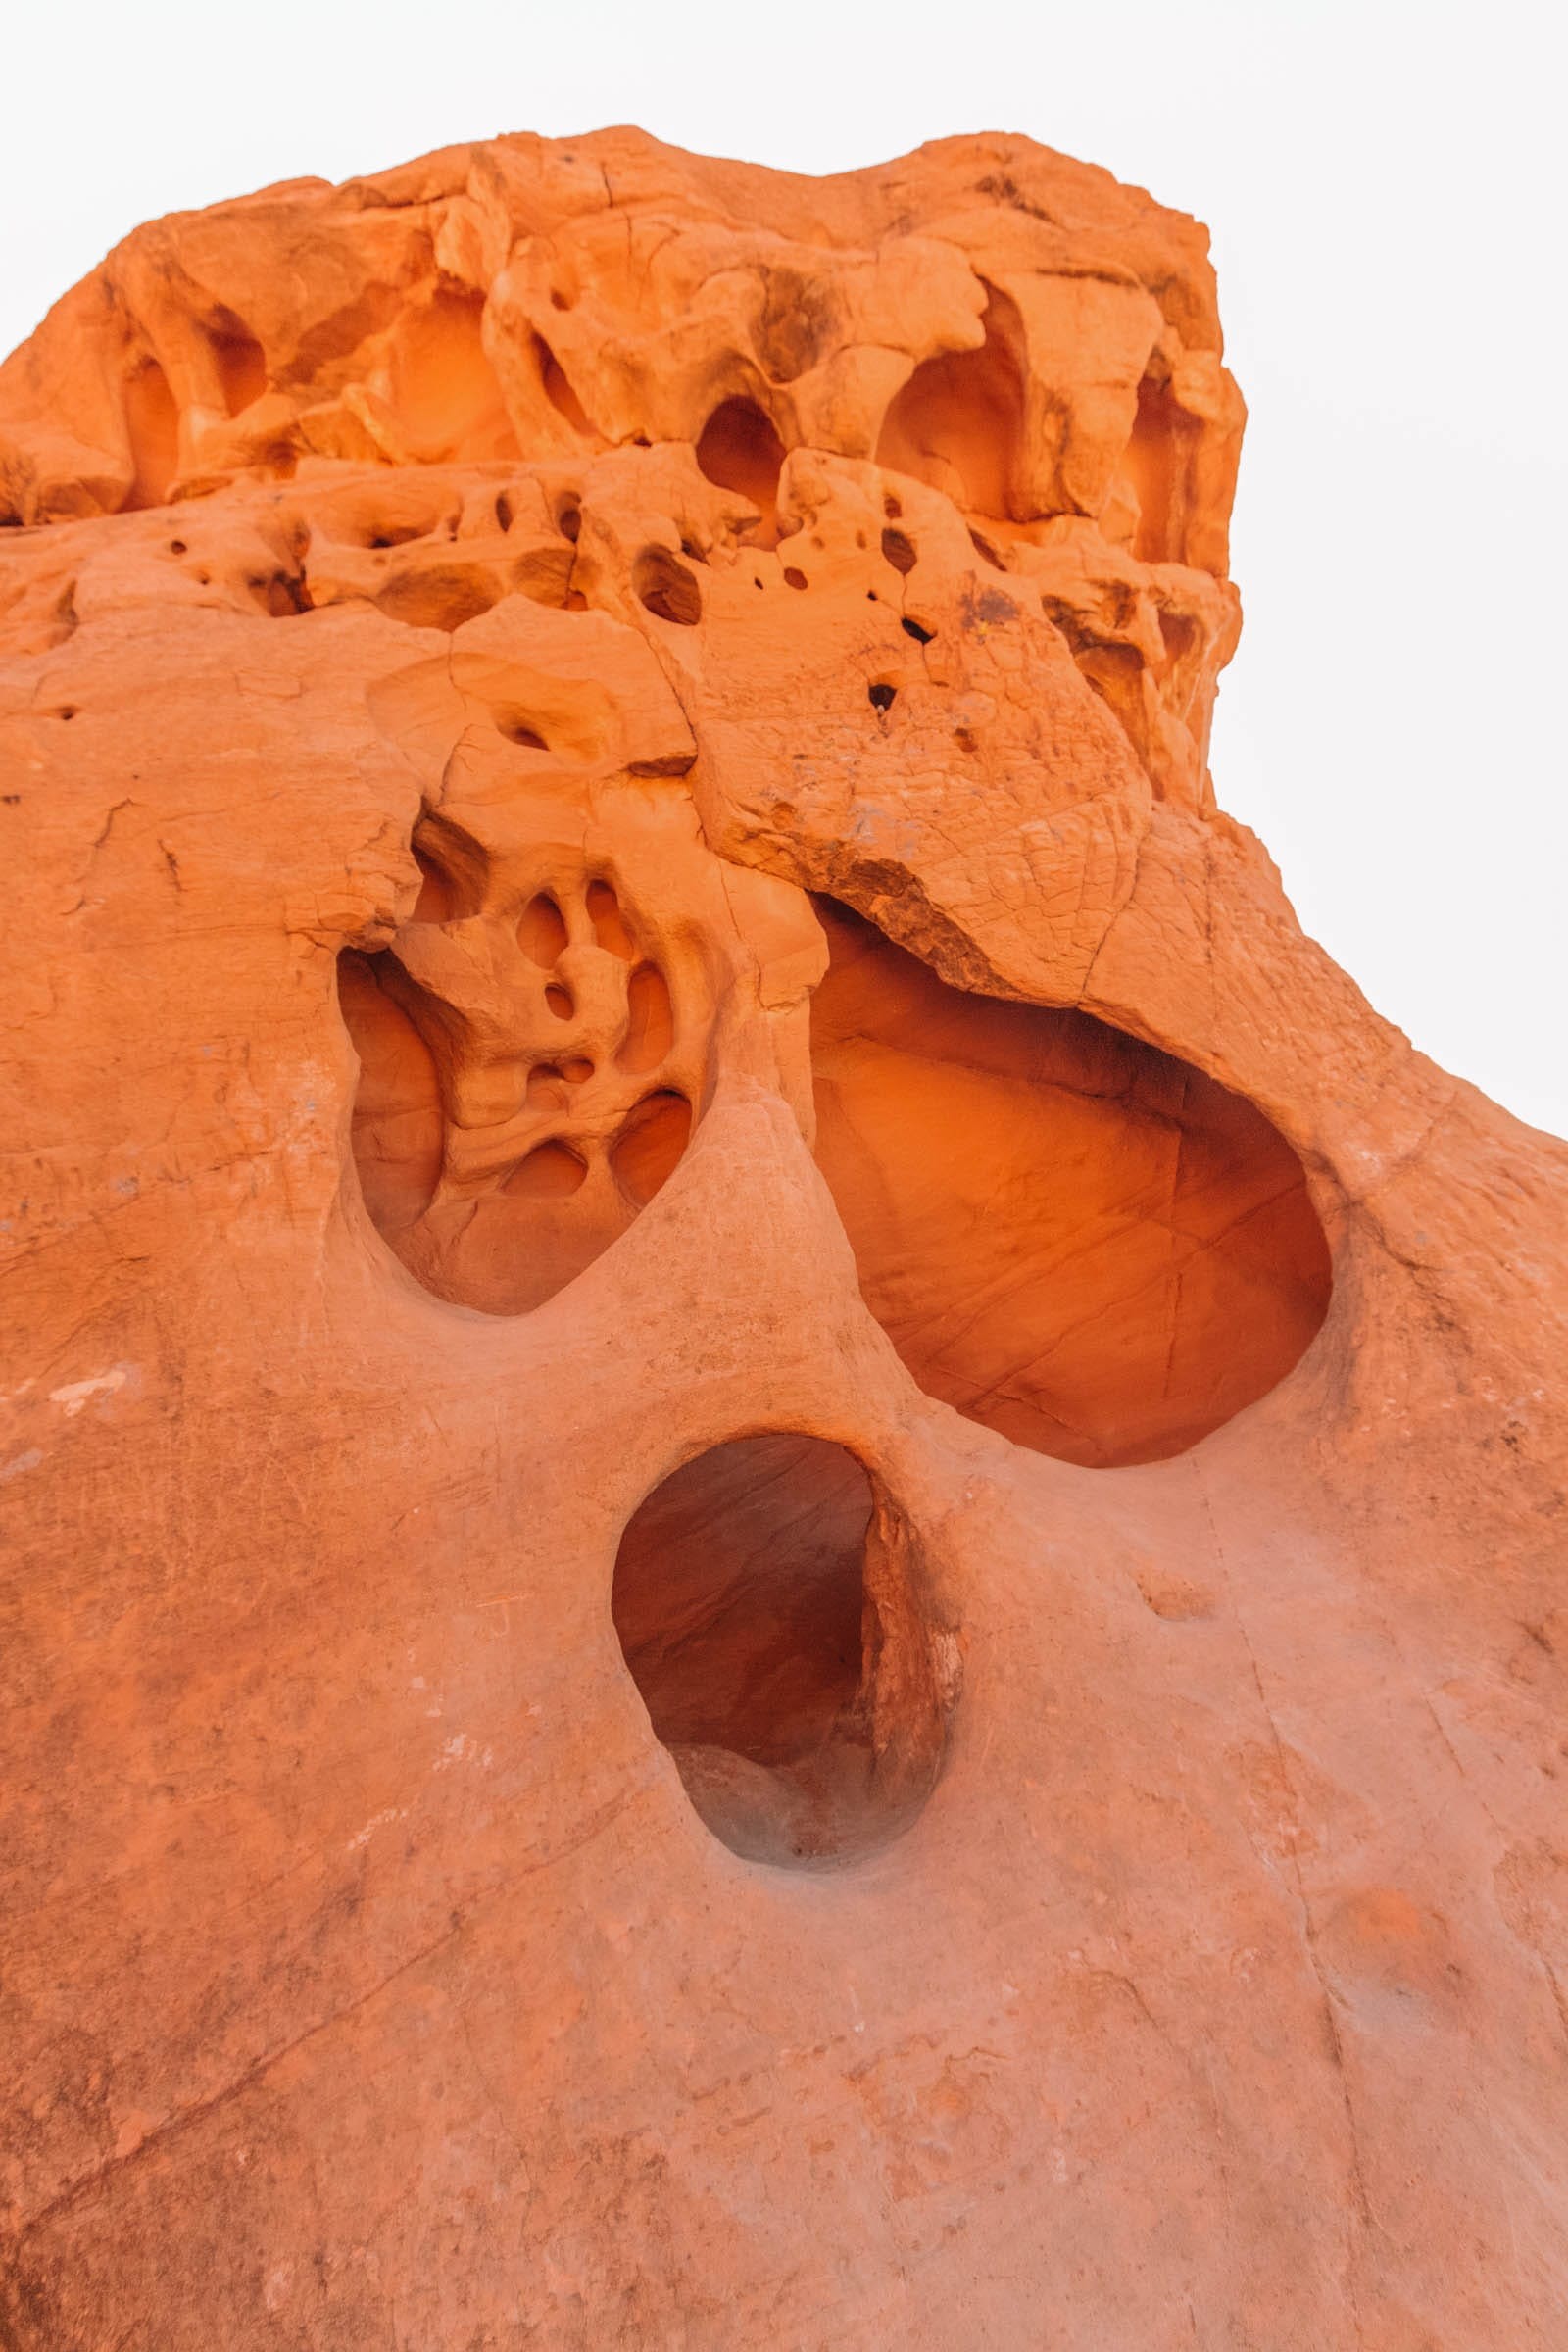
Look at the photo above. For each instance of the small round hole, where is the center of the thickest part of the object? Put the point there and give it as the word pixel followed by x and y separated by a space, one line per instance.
pixel 559 999
pixel 794 578
pixel 912 628
pixel 881 698
pixel 899 549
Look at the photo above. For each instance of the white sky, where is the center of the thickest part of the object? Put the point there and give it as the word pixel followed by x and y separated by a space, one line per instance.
pixel 1382 185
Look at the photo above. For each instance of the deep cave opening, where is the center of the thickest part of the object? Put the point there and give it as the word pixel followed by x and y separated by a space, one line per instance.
pixel 761 1646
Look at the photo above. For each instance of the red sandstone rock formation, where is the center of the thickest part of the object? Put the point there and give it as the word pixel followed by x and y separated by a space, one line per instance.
pixel 785 1522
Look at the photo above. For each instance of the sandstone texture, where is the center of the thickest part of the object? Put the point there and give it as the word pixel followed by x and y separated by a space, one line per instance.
pixel 784 1522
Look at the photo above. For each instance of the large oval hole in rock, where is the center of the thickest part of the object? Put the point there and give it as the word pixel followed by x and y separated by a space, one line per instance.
pixel 1068 1234
pixel 769 1608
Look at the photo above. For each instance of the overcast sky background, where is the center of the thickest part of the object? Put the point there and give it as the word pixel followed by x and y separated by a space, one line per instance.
pixel 1383 183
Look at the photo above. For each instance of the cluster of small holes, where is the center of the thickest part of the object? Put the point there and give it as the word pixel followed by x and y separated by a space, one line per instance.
pixel 642 1157
pixel 654 1134
pixel 543 936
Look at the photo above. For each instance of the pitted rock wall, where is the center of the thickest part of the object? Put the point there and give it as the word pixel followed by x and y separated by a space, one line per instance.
pixel 784 1520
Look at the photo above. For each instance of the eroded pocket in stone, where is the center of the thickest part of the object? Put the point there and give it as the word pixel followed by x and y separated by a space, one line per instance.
pixel 959 423
pixel 1068 1234
pixel 526 1087
pixel 771 1608
pixel 397 1105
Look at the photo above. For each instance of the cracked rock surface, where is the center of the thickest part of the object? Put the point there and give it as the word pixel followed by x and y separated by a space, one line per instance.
pixel 785 1554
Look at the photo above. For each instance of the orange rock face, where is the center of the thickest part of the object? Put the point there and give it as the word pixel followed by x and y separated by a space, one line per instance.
pixel 786 1555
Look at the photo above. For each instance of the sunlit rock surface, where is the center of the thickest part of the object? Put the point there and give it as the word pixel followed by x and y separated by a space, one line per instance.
pixel 786 1551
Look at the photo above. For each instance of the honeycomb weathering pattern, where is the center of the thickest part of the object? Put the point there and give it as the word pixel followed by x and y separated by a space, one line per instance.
pixel 616 904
